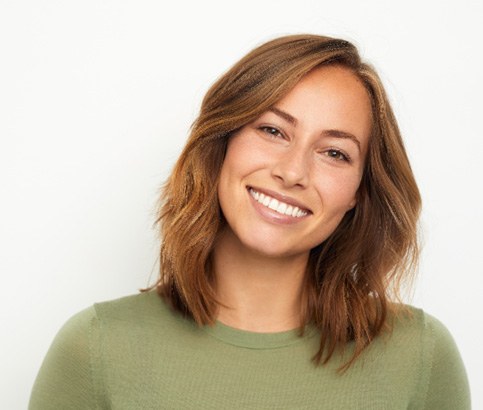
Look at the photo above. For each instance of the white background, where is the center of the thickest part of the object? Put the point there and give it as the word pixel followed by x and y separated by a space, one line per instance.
pixel 96 99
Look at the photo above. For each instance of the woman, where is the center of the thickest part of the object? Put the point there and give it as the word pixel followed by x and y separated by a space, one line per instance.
pixel 287 225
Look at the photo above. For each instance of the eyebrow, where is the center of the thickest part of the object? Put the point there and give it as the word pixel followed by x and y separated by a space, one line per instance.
pixel 285 115
pixel 328 133
pixel 343 134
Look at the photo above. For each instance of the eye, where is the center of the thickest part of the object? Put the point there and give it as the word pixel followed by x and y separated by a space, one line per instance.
pixel 337 155
pixel 272 131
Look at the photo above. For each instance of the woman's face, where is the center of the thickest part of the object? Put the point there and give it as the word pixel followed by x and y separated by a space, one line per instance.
pixel 289 177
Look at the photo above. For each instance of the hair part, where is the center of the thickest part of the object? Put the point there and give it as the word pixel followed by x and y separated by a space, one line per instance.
pixel 357 271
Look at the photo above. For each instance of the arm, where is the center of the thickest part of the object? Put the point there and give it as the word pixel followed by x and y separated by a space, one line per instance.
pixel 448 384
pixel 65 379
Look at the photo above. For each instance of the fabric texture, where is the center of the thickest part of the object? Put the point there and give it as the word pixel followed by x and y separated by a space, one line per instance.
pixel 136 353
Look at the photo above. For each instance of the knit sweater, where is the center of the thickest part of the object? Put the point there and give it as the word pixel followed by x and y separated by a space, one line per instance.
pixel 136 353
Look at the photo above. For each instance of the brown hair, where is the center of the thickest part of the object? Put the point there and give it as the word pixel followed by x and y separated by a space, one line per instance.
pixel 351 274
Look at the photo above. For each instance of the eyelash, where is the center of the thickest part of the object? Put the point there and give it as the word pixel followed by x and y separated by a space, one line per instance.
pixel 340 155
pixel 267 129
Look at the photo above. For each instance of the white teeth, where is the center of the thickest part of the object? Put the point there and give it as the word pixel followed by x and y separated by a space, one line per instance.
pixel 273 204
pixel 278 206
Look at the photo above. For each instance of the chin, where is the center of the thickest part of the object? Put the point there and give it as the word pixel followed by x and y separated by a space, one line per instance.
pixel 277 251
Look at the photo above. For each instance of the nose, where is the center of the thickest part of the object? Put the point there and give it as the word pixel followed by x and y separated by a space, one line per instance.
pixel 292 167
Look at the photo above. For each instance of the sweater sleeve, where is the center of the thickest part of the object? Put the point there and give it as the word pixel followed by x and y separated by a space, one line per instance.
pixel 448 387
pixel 65 379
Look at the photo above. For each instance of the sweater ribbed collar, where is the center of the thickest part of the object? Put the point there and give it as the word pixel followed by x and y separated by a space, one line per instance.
pixel 255 340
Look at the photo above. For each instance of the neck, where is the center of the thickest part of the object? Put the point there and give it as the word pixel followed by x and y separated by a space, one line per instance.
pixel 257 292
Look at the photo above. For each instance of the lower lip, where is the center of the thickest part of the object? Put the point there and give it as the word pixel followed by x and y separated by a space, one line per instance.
pixel 273 216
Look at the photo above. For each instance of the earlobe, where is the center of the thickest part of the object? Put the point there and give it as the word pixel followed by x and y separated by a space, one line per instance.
pixel 358 197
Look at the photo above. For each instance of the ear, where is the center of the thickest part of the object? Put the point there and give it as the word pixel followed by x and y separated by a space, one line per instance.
pixel 358 197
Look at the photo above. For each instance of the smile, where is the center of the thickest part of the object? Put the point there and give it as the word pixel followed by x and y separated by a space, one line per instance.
pixel 276 205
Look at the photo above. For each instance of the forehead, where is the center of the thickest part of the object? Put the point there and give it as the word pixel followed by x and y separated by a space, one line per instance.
pixel 333 85
pixel 330 98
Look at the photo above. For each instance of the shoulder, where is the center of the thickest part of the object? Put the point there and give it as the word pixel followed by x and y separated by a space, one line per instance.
pixel 85 327
pixel 138 308
pixel 422 328
pixel 425 342
pixel 145 313
pixel 142 317
pixel 144 306
pixel 98 341
pixel 65 377
pixel 407 318
pixel 418 333
pixel 120 322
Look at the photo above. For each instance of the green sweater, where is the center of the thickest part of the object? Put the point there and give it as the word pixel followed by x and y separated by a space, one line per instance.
pixel 135 353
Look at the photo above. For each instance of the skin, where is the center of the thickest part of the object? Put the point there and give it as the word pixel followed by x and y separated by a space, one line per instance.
pixel 308 150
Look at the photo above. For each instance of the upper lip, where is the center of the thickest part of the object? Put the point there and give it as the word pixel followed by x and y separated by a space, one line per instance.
pixel 280 197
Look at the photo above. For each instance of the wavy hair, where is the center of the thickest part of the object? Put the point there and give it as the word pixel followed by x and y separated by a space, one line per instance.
pixel 353 276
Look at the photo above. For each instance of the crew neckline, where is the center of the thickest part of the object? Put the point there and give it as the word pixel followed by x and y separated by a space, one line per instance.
pixel 257 340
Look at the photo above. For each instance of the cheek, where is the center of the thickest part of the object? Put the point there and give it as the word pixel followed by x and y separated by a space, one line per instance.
pixel 243 157
pixel 339 192
pixel 230 184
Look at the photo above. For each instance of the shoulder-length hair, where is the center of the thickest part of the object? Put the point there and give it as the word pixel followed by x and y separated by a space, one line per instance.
pixel 351 276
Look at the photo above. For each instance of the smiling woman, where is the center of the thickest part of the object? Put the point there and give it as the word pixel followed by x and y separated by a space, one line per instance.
pixel 287 226
pixel 295 157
